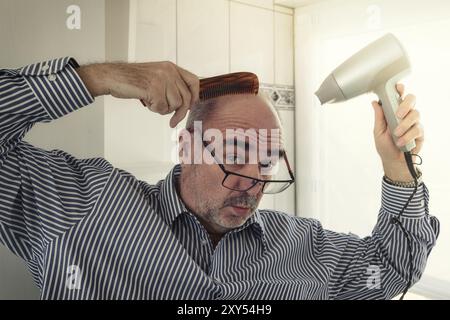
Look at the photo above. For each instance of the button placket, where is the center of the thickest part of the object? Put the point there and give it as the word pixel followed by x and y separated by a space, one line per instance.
pixel 204 250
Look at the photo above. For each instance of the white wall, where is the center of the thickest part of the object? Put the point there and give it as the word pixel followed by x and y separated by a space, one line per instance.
pixel 32 31
pixel 342 184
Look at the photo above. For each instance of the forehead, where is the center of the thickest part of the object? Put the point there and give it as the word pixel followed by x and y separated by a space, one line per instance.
pixel 254 137
pixel 244 118
pixel 248 116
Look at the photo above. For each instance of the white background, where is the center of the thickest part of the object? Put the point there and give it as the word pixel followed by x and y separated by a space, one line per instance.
pixel 336 142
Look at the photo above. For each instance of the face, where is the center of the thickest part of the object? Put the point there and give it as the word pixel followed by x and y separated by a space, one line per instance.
pixel 219 208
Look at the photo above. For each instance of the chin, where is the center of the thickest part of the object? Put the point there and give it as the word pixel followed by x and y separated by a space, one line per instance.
pixel 233 220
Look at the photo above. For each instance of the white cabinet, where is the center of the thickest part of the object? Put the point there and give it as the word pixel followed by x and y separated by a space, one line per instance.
pixel 251 40
pixel 284 49
pixel 267 4
pixel 203 36
pixel 152 30
pixel 133 134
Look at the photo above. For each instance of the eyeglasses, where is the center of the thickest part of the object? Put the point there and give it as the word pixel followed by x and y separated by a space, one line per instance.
pixel 239 182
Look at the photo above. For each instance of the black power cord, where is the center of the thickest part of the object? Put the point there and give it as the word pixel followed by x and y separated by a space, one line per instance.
pixel 397 222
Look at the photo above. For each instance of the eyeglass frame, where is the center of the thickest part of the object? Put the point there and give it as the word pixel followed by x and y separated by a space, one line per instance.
pixel 227 173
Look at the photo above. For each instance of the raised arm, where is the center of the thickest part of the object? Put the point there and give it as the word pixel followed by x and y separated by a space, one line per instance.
pixel 377 267
pixel 45 193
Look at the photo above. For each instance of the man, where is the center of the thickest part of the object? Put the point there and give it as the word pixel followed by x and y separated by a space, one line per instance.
pixel 90 231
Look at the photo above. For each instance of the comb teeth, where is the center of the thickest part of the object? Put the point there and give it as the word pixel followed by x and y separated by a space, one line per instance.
pixel 226 84
pixel 232 83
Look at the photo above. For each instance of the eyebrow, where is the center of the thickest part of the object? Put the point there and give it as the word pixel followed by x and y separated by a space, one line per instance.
pixel 234 142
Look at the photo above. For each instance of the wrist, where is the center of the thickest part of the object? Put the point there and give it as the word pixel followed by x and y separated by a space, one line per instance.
pixel 398 172
pixel 405 184
pixel 93 76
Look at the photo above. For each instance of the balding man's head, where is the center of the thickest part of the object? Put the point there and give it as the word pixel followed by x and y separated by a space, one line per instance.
pixel 225 192
pixel 235 111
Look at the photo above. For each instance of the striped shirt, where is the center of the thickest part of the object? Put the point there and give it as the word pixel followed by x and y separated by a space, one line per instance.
pixel 87 230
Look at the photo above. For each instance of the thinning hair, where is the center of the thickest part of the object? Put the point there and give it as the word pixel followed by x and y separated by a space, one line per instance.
pixel 203 109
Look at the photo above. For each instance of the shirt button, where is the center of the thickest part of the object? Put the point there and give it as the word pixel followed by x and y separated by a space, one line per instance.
pixel 204 242
pixel 52 77
pixel 45 67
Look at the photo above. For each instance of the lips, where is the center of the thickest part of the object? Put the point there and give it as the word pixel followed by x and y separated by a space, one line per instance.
pixel 240 210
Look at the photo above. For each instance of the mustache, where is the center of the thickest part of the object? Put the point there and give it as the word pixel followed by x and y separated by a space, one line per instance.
pixel 243 200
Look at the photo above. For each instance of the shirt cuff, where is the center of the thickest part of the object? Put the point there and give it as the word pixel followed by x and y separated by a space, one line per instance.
pixel 394 198
pixel 57 86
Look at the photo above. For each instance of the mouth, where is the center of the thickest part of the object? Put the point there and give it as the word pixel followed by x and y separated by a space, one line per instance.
pixel 240 210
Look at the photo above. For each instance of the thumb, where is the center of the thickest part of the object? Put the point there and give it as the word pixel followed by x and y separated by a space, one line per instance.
pixel 380 122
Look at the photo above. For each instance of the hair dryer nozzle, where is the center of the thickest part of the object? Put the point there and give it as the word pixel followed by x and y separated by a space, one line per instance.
pixel 329 91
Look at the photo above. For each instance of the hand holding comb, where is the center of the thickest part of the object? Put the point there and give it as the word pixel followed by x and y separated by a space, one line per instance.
pixel 226 84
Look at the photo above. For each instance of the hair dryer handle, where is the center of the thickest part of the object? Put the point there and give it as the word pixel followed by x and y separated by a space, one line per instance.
pixel 390 100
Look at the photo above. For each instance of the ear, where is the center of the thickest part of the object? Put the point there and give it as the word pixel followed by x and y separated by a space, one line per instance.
pixel 185 146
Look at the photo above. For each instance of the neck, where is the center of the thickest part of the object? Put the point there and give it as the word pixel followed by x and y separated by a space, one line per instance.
pixel 184 192
pixel 215 238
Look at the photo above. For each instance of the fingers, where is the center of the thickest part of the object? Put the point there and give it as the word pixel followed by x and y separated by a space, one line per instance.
pixel 419 144
pixel 380 122
pixel 192 82
pixel 414 133
pixel 406 106
pixel 410 120
pixel 178 116
pixel 185 93
pixel 400 89
pixel 155 101
pixel 181 111
pixel 173 96
pixel 168 88
pixel 409 128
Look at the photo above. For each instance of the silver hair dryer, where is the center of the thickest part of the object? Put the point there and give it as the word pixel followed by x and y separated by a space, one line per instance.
pixel 376 68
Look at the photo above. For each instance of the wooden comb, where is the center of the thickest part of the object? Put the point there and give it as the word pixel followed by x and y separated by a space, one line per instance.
pixel 231 83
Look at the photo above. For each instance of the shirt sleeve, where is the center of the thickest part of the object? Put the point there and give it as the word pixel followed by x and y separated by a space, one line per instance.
pixel 377 267
pixel 42 193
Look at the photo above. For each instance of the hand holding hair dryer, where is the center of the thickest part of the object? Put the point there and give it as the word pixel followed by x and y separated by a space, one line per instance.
pixel 376 68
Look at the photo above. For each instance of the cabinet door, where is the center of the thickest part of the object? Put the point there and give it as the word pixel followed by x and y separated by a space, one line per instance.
pixel 134 136
pixel 203 36
pixel 284 49
pixel 251 41
pixel 153 30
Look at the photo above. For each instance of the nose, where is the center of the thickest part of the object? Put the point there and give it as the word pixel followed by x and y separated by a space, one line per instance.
pixel 244 183
pixel 256 189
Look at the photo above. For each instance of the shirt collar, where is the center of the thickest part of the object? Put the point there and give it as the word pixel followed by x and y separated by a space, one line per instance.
pixel 172 206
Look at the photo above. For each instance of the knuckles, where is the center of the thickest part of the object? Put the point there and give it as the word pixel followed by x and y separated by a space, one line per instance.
pixel 156 79
pixel 168 66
